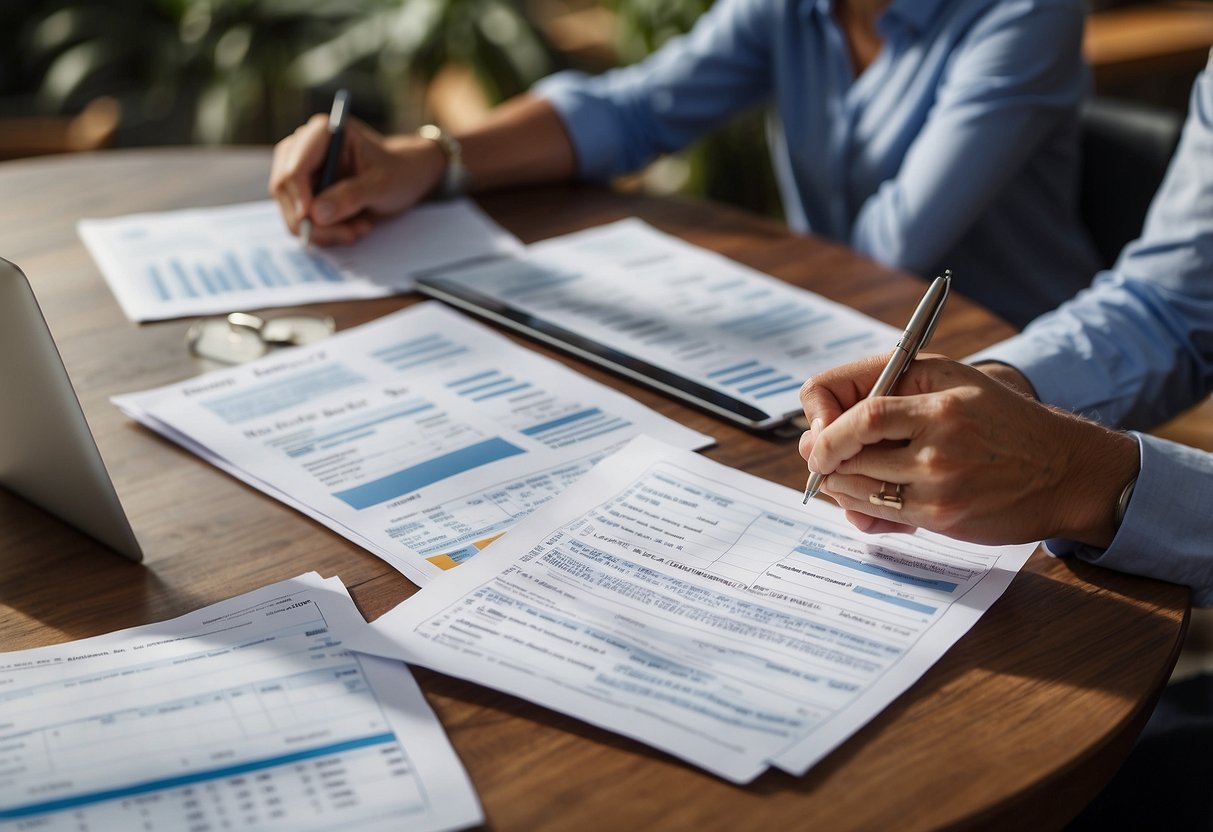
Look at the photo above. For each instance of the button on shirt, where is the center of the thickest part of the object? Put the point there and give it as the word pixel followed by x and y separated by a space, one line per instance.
pixel 1137 348
pixel 957 147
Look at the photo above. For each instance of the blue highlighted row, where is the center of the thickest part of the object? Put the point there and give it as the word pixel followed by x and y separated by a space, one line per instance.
pixel 178 781
pixel 426 473
pixel 878 570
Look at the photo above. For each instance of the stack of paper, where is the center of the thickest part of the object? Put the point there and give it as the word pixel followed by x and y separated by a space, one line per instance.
pixel 421 436
pixel 248 714
pixel 702 611
pixel 216 260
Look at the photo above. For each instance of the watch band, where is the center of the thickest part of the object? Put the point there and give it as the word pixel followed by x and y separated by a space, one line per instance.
pixel 454 178
pixel 1122 504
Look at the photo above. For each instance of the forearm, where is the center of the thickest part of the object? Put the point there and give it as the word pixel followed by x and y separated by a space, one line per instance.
pixel 523 142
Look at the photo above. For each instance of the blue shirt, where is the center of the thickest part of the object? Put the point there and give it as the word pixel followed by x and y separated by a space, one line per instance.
pixel 957 148
pixel 1135 349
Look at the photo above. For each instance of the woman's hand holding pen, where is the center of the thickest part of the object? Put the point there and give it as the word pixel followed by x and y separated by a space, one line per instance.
pixel 377 176
pixel 976 459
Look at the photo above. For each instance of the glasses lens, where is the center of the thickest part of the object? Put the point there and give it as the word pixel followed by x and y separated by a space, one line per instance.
pixel 218 340
pixel 297 329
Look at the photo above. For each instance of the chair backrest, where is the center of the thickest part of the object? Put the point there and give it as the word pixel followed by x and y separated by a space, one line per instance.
pixel 1126 146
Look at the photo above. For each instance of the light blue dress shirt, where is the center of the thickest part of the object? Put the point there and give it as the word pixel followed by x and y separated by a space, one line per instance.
pixel 957 148
pixel 1135 349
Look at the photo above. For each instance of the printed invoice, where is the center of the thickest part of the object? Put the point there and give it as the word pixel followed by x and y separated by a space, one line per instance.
pixel 247 714
pixel 700 610
pixel 421 436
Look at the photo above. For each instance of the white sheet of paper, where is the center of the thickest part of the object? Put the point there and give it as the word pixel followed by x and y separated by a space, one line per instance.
pixel 248 714
pixel 700 610
pixel 422 436
pixel 210 261
pixel 682 308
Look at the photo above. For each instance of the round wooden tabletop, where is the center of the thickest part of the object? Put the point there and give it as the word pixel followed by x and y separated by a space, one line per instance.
pixel 1016 727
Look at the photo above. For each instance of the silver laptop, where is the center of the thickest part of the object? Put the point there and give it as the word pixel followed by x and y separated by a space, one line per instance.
pixel 47 453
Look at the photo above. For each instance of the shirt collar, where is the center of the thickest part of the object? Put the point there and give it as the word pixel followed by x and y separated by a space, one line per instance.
pixel 911 15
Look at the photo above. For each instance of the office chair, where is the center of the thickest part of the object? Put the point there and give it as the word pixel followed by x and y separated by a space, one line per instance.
pixel 1126 146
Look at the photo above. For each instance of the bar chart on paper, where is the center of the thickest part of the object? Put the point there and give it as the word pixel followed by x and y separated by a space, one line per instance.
pixel 215 260
pixel 174 277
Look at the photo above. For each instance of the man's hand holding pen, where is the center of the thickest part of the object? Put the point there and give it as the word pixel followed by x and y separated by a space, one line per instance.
pixel 975 458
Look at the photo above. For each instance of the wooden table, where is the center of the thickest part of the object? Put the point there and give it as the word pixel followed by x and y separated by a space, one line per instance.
pixel 1148 38
pixel 1017 726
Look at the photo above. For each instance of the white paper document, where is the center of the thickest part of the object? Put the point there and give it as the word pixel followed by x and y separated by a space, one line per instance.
pixel 247 714
pixel 216 260
pixel 421 436
pixel 702 611
pixel 681 308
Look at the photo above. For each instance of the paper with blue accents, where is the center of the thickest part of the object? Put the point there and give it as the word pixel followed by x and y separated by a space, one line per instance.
pixel 422 436
pixel 210 261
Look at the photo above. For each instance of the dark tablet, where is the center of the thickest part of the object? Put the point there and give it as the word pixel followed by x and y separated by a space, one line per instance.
pixel 716 402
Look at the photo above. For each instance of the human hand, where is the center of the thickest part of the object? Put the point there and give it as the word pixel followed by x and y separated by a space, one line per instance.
pixel 377 176
pixel 976 459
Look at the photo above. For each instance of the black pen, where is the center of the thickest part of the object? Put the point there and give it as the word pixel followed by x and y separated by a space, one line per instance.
pixel 918 332
pixel 337 117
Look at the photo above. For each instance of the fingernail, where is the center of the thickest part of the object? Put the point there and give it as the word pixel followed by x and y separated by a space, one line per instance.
pixel 816 426
pixel 325 211
pixel 299 212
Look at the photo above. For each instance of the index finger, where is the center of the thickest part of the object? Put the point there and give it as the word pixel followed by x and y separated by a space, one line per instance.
pixel 296 160
pixel 870 422
pixel 826 395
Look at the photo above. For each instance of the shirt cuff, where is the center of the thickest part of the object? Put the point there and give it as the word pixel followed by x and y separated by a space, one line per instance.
pixel 1157 528
pixel 591 122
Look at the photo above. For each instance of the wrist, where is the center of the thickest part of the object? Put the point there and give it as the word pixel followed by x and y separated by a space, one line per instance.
pixel 454 178
pixel 1101 466
pixel 1008 376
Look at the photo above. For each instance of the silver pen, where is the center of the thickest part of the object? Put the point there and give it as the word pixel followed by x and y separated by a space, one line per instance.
pixel 918 333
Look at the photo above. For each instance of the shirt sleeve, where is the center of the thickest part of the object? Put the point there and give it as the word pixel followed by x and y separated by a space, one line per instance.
pixel 1137 347
pixel 1016 76
pixel 619 120
pixel 1165 533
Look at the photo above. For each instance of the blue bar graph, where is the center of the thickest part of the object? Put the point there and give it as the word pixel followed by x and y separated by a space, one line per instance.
pixel 426 473
pixel 158 284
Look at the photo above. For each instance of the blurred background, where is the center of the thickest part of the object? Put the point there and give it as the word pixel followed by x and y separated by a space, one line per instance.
pixel 89 74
